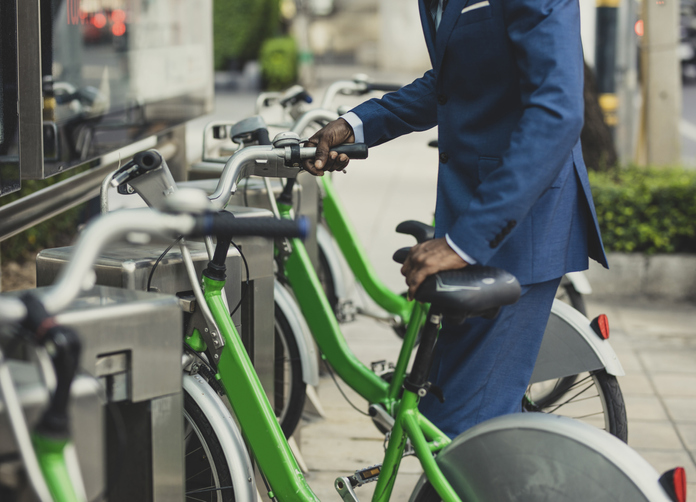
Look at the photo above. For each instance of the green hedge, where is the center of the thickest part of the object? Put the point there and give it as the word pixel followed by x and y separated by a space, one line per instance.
pixel 240 27
pixel 278 58
pixel 650 210
pixel 55 232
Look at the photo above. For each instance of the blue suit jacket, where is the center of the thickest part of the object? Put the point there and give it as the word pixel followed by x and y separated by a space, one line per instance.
pixel 506 91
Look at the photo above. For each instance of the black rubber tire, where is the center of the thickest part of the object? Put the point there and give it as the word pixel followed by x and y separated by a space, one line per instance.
pixel 568 294
pixel 204 462
pixel 289 387
pixel 426 493
pixel 326 278
pixel 596 388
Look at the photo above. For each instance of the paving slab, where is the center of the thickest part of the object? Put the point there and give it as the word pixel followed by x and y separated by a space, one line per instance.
pixel 675 384
pixel 644 408
pixel 653 435
pixel 681 409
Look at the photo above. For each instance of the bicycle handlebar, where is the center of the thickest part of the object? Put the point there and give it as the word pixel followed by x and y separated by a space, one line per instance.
pixel 268 161
pixel 224 224
pixel 356 151
pixel 382 87
pixel 113 226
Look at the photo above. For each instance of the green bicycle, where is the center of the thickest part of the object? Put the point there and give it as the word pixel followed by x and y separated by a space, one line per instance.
pixel 394 404
pixel 579 382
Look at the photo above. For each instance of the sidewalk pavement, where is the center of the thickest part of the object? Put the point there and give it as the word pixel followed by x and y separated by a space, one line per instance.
pixel 655 341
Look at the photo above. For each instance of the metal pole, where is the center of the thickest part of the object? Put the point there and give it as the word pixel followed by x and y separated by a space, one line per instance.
pixel 659 142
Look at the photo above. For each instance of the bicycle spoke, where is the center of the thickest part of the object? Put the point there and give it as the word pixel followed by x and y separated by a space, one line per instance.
pixel 211 489
pixel 571 399
pixel 590 415
pixel 198 473
pixel 196 499
pixel 194 451
pixel 575 401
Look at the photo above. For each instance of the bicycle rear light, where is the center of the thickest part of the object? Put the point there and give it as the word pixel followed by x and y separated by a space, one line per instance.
pixel 674 483
pixel 600 325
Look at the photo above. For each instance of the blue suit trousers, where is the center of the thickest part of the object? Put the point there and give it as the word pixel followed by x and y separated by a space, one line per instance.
pixel 484 365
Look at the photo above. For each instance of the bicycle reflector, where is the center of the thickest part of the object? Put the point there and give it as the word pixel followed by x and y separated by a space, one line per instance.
pixel 674 483
pixel 600 325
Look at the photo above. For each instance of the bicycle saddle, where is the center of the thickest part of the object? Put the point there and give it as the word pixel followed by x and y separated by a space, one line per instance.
pixel 421 231
pixel 472 291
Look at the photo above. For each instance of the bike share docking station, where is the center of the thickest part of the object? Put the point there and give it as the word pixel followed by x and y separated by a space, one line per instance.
pixel 138 357
pixel 125 400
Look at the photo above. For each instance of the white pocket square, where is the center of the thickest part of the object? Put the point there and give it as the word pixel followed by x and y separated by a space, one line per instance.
pixel 476 6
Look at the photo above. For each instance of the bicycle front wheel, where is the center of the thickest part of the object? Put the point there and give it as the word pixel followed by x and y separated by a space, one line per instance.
pixel 207 474
pixel 594 398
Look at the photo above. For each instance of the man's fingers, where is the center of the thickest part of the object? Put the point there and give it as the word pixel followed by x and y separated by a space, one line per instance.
pixel 322 154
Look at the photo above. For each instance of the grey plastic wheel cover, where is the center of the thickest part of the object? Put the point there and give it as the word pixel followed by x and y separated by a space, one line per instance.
pixel 536 457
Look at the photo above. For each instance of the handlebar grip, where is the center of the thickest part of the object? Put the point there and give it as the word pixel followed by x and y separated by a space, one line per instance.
pixel 383 87
pixel 354 150
pixel 224 224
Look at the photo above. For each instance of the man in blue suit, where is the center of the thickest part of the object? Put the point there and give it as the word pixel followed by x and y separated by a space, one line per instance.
pixel 506 92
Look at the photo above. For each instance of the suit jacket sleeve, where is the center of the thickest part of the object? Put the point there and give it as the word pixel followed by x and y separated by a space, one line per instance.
pixel 411 108
pixel 545 35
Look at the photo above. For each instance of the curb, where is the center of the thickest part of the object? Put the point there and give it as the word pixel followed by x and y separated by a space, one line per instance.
pixel 664 276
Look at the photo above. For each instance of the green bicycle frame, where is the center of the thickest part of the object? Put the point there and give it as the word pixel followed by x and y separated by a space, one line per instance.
pixel 50 454
pixel 265 437
pixel 356 257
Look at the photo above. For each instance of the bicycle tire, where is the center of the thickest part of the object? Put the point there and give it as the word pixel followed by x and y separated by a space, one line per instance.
pixel 206 472
pixel 289 387
pixel 327 281
pixel 594 397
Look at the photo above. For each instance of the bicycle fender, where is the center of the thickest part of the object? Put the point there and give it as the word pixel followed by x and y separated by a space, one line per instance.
pixel 227 432
pixel 305 343
pixel 529 457
pixel 579 282
pixel 570 346
pixel 331 252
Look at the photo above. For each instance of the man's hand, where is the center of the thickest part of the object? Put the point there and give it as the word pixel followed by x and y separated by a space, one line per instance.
pixel 426 259
pixel 333 134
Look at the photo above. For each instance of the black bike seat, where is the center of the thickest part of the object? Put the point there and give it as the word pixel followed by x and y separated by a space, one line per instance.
pixel 467 292
pixel 247 130
pixel 471 291
pixel 421 231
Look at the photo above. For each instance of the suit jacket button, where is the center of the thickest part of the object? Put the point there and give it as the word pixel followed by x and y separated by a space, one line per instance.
pixel 444 158
pixel 441 99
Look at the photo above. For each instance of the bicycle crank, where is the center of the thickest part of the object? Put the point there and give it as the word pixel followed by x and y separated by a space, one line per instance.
pixel 345 484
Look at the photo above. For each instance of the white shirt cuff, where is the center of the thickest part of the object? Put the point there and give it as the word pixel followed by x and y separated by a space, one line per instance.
pixel 357 125
pixel 461 253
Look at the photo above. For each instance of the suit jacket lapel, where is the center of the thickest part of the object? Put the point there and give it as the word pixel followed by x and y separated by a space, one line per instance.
pixel 449 19
pixel 428 28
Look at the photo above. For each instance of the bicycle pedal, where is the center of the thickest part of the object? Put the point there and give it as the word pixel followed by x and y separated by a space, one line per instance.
pixel 346 311
pixel 367 475
pixel 381 367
